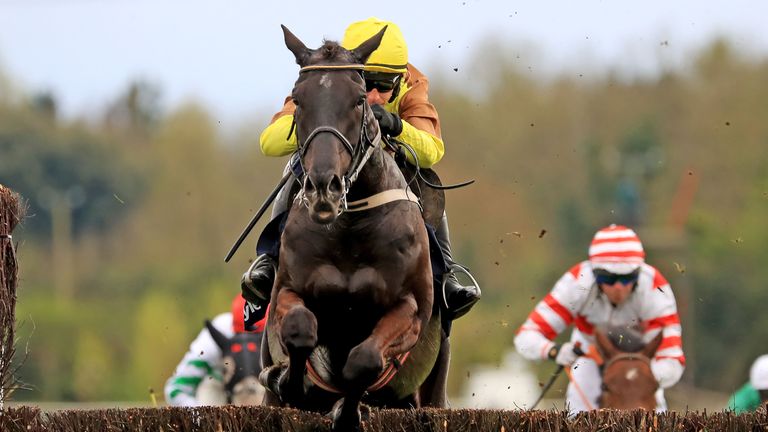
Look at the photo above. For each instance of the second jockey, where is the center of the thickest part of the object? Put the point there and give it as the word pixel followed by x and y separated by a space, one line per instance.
pixel 614 287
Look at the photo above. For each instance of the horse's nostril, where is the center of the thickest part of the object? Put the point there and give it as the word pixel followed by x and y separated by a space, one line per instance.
pixel 335 185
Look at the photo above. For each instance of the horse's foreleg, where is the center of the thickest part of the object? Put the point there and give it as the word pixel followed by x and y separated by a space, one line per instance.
pixel 396 332
pixel 297 327
pixel 433 391
pixel 346 414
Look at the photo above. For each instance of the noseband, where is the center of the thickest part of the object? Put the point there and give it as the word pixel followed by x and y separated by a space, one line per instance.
pixel 360 153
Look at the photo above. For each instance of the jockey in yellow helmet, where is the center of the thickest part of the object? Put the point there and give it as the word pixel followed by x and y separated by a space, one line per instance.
pixel 398 95
pixel 393 84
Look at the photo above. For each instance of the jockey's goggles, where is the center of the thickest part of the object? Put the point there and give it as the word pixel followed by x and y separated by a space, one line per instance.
pixel 383 82
pixel 608 278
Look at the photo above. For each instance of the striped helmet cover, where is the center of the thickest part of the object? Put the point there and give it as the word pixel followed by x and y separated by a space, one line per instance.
pixel 616 249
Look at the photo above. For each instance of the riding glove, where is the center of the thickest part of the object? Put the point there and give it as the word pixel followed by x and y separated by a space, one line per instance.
pixel 564 354
pixel 389 123
pixel 667 371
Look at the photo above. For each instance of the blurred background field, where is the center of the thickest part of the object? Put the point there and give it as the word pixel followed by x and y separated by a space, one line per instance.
pixel 134 202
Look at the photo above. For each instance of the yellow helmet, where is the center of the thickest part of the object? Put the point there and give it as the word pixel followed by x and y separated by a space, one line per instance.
pixel 392 54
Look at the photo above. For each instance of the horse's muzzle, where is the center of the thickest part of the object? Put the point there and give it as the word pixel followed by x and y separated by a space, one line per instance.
pixel 324 212
pixel 324 197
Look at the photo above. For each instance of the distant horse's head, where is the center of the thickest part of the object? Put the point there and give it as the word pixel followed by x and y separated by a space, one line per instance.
pixel 333 120
pixel 242 364
pixel 628 382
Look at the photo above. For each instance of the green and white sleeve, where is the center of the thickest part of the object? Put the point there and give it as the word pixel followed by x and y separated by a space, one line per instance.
pixel 203 359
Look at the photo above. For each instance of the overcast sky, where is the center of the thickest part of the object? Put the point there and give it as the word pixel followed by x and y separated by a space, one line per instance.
pixel 230 53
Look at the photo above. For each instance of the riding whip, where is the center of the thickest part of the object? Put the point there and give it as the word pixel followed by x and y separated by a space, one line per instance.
pixel 258 215
pixel 558 371
pixel 551 381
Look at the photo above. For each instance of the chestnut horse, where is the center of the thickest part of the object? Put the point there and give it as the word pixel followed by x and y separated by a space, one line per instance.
pixel 628 382
pixel 352 316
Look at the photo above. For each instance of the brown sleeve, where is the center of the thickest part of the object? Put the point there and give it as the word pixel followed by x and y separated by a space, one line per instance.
pixel 415 107
pixel 288 109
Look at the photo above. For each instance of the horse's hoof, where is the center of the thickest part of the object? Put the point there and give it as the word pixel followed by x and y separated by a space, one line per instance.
pixel 290 392
pixel 365 413
pixel 269 377
pixel 345 420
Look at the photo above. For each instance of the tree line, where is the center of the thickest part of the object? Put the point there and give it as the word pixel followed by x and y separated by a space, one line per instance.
pixel 131 211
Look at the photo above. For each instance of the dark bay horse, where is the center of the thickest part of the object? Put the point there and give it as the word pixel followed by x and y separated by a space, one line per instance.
pixel 352 315
pixel 242 365
pixel 628 382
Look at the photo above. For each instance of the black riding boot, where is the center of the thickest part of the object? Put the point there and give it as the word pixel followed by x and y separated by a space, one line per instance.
pixel 459 299
pixel 256 283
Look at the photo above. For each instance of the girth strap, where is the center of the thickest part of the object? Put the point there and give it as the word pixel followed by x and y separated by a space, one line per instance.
pixel 382 198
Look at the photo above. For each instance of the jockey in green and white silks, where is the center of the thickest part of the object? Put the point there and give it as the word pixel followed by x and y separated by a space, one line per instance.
pixel 755 391
pixel 203 361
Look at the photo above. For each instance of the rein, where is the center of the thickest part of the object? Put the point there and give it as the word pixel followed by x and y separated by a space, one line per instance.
pixel 394 144
pixel 579 391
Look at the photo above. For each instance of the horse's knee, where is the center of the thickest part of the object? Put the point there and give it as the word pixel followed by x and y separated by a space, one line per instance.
pixel 364 364
pixel 299 331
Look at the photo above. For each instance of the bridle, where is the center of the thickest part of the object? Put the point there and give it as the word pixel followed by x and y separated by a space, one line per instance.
pixel 360 152
pixel 234 348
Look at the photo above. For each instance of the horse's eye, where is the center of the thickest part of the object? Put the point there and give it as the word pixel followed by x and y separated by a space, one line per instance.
pixel 295 101
pixel 360 102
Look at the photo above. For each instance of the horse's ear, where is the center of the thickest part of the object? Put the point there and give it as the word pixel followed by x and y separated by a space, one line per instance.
pixel 217 336
pixel 297 47
pixel 650 348
pixel 365 49
pixel 605 345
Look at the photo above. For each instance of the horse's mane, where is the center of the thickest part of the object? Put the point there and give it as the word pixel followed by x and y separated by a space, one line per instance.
pixel 625 339
pixel 331 51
